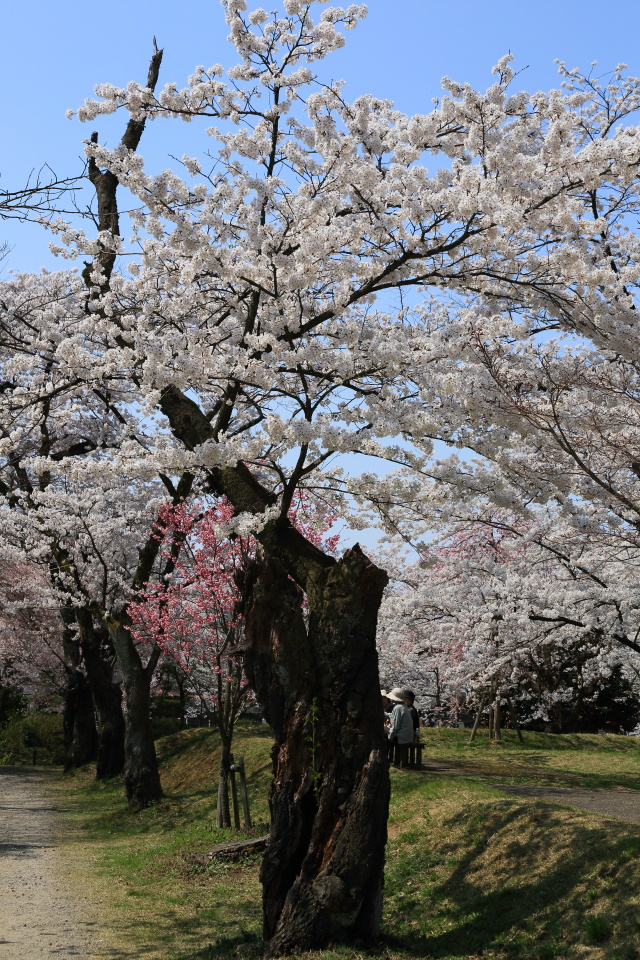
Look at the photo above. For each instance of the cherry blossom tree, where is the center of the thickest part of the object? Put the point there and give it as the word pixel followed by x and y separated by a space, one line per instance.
pixel 473 609
pixel 197 619
pixel 93 550
pixel 31 649
pixel 254 342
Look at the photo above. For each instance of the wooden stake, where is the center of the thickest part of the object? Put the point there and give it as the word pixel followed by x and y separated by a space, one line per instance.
pixel 234 795
pixel 245 795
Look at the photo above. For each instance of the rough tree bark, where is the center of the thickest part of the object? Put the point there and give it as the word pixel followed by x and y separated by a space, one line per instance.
pixel 78 722
pixel 141 775
pixel 98 655
pixel 318 685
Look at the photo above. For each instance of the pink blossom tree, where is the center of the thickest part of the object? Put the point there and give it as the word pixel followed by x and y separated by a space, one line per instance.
pixel 32 655
pixel 197 618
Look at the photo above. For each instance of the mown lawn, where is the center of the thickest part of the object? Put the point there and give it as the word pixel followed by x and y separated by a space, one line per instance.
pixel 470 872
pixel 597 761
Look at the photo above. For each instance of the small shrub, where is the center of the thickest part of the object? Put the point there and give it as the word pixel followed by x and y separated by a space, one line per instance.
pixel 21 735
pixel 548 951
pixel 597 929
pixel 164 726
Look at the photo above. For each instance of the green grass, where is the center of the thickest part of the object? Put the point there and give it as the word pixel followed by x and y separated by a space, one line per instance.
pixel 470 872
pixel 594 761
pixel 22 736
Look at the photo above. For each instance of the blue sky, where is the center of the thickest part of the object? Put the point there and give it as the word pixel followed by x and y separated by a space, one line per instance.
pixel 53 55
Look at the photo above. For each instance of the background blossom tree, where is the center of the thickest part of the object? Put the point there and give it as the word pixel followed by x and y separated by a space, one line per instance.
pixel 471 608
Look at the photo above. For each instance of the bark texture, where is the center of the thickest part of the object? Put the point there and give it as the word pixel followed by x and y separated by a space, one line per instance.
pixel 78 721
pixel 141 775
pixel 319 688
pixel 323 870
pixel 99 657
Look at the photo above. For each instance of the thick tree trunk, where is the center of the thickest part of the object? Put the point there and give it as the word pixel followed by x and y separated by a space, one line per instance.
pixel 78 722
pixel 107 698
pixel 322 874
pixel 141 775
pixel 98 655
pixel 323 870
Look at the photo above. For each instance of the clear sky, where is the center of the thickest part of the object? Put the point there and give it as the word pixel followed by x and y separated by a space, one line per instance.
pixel 54 53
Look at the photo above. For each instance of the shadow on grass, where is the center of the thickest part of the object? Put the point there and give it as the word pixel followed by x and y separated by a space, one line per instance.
pixel 446 738
pixel 476 919
pixel 184 742
pixel 539 775
pixel 200 937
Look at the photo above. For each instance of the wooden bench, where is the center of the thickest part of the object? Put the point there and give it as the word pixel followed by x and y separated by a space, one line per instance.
pixel 406 755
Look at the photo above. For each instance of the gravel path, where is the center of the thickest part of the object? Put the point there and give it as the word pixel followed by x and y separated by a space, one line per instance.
pixel 40 916
pixel 620 804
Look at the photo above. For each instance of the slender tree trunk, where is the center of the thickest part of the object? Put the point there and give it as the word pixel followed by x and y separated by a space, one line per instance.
pixel 514 719
pixel 496 719
pixel 98 655
pixel 322 874
pixel 183 702
pixel 477 720
pixel 223 813
pixel 141 775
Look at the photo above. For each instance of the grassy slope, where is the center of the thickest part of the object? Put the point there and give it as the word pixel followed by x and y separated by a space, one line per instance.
pixel 571 760
pixel 470 872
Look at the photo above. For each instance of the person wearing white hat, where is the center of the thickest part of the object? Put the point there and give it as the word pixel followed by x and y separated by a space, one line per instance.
pixel 401 721
pixel 386 708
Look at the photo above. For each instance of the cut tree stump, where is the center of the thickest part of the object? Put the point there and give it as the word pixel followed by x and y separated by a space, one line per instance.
pixel 234 848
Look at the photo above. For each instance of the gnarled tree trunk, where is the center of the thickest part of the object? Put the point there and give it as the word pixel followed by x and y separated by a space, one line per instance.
pixel 141 775
pixel 322 873
pixel 319 688
pixel 78 721
pixel 98 655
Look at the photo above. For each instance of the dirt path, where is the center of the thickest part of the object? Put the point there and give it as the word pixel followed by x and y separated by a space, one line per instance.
pixel 40 916
pixel 620 804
